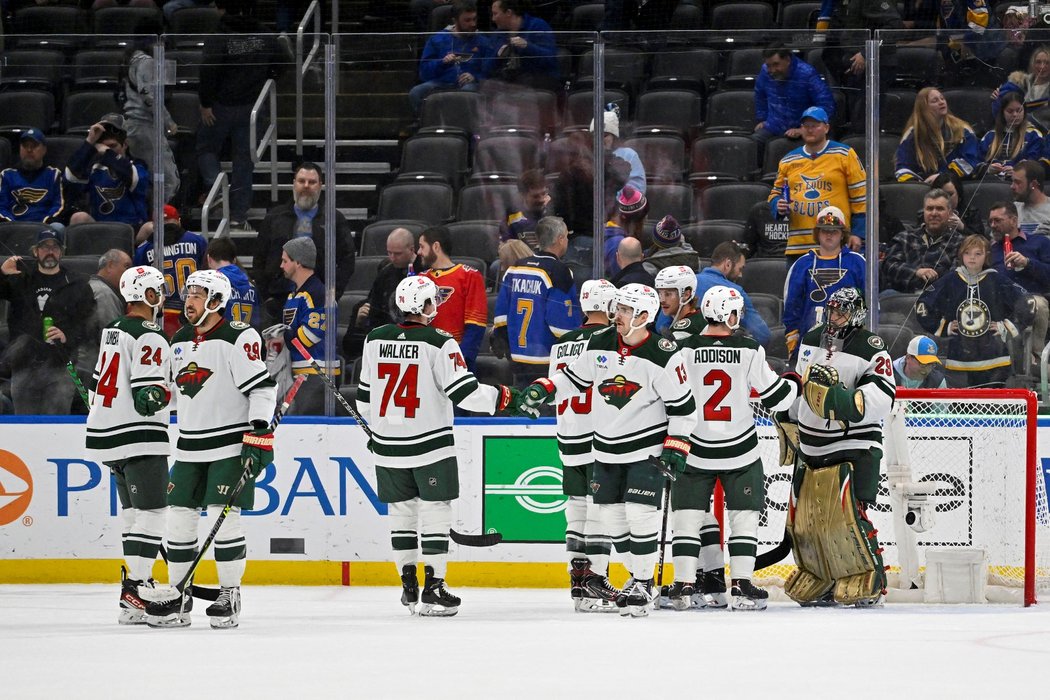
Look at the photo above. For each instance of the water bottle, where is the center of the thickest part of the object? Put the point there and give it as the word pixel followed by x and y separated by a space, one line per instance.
pixel 1008 247
pixel 785 194
pixel 48 324
pixel 411 270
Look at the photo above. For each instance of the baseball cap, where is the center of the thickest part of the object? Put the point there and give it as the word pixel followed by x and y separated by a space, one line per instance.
pixel 170 213
pixel 49 233
pixel 817 113
pixel 923 349
pixel 830 217
pixel 33 134
pixel 114 121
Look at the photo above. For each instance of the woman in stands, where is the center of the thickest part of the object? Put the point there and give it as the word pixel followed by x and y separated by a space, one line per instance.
pixel 965 215
pixel 1013 138
pixel 1035 84
pixel 935 141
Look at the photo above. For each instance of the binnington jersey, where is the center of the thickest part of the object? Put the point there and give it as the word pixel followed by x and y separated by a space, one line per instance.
pixel 723 371
pixel 410 376
pixel 181 258
pixel 641 394
pixel 575 428
pixel 133 354
pixel 223 386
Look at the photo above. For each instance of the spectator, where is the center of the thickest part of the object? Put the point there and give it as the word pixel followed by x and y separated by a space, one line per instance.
pixel 818 274
pixel 535 203
pixel 38 351
pixel 765 235
pixel 727 269
pixel 629 259
pixel 117 184
pixel 919 368
pixel 818 174
pixel 613 145
pixel 184 253
pixel 243 305
pixel 1033 206
pixel 669 248
pixel 573 195
pixel 109 306
pixel 963 213
pixel 785 87
pixel 1035 84
pixel 974 307
pixel 510 253
pixel 1026 263
pixel 964 32
pixel 537 304
pixel 525 50
pixel 237 62
pixel 32 191
pixel 462 305
pixel 1012 139
pixel 306 319
pixel 918 257
pixel 934 140
pixel 457 57
pixel 302 217
pixel 628 220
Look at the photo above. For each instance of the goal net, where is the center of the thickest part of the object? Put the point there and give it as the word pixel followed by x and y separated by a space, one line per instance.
pixel 959 479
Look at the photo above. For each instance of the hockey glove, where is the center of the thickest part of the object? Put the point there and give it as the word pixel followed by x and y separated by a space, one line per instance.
pixel 257 450
pixel 535 395
pixel 828 397
pixel 676 449
pixel 150 399
pixel 508 400
pixel 498 343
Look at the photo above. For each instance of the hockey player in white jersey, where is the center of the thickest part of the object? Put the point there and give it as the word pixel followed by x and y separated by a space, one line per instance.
pixel 724 368
pixel 643 408
pixel 676 286
pixel 127 428
pixel 583 535
pixel 226 402
pixel 411 375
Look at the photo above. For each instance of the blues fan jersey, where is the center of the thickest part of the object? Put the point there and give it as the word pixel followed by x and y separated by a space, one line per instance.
pixel 116 186
pixel 537 305
pixel 834 177
pixel 723 371
pixel 461 299
pixel 410 376
pixel 640 394
pixel 133 354
pixel 222 386
pixel 31 196
pixel 304 314
pixel 811 281
pixel 575 428
pixel 243 297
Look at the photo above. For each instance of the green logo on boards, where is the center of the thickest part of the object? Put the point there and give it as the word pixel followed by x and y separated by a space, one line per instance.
pixel 523 489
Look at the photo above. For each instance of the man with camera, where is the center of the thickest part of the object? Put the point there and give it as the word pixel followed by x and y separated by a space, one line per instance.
pixel 117 185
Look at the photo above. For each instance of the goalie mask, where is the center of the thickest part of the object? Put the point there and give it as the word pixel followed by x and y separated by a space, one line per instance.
pixel 412 295
pixel 719 304
pixel 136 281
pixel 216 288
pixel 679 278
pixel 598 295
pixel 848 302
pixel 640 299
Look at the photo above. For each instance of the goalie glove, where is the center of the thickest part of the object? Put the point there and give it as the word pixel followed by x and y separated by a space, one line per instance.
pixel 675 452
pixel 828 397
pixel 257 449
pixel 535 395
pixel 150 399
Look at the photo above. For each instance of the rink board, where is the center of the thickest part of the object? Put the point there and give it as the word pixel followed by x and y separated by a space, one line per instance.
pixel 316 518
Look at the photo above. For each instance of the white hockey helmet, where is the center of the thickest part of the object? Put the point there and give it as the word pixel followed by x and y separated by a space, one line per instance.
pixel 413 293
pixel 680 278
pixel 640 298
pixel 216 288
pixel 598 295
pixel 135 281
pixel 719 304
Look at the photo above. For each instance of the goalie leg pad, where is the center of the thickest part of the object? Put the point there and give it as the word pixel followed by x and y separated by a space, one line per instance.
pixel 804 587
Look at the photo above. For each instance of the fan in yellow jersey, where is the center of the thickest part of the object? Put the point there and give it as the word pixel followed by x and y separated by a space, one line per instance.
pixel 411 374
pixel 127 427
pixel 724 369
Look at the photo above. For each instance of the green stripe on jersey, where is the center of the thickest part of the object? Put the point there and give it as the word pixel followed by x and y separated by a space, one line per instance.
pixel 141 436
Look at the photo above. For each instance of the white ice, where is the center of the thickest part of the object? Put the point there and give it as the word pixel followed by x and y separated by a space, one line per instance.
pixel 62 641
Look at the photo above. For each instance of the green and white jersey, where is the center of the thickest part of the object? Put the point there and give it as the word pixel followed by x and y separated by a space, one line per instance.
pixel 133 353
pixel 575 428
pixel 687 327
pixel 410 377
pixel 862 363
pixel 723 371
pixel 222 386
pixel 641 394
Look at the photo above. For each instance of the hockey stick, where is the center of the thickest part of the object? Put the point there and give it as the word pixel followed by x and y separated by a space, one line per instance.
pixel 658 464
pixel 778 553
pixel 486 540
pixel 663 539
pixel 77 383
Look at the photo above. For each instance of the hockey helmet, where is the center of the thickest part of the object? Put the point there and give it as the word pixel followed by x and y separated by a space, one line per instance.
pixel 413 293
pixel 640 299
pixel 679 278
pixel 849 302
pixel 135 281
pixel 598 295
pixel 719 304
pixel 217 290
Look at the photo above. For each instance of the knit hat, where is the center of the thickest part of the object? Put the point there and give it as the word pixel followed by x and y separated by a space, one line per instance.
pixel 302 250
pixel 610 121
pixel 631 202
pixel 667 233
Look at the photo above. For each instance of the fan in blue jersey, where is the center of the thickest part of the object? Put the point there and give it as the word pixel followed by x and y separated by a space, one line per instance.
pixel 244 300
pixel 117 185
pixel 183 255
pixel 32 191
pixel 305 318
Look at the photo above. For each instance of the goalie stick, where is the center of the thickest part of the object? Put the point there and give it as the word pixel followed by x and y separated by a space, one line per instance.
pixel 778 553
pixel 486 540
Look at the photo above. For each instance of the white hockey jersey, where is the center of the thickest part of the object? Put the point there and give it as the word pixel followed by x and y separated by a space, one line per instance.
pixel 575 428
pixel 223 386
pixel 410 377
pixel 133 353
pixel 723 371
pixel 641 395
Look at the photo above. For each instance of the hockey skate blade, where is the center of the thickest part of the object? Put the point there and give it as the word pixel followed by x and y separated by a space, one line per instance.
pixel 747 605
pixel 433 610
pixel 224 623
pixel 715 601
pixel 131 617
pixel 173 621
pixel 596 605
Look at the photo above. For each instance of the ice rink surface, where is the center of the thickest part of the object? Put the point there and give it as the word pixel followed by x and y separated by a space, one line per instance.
pixel 62 641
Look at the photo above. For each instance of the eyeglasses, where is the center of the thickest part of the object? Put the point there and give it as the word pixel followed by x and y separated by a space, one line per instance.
pixel 48 246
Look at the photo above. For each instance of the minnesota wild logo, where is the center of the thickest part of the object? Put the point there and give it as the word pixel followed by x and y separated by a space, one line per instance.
pixel 191 378
pixel 618 390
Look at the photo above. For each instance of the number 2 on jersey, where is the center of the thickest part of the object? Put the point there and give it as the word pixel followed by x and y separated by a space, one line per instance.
pixel 712 411
pixel 401 386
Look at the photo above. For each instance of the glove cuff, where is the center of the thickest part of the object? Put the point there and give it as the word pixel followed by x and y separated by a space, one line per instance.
pixel 262 441
pixel 677 444
pixel 505 395
pixel 547 384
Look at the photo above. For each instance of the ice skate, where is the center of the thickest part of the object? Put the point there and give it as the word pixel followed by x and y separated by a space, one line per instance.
pixel 579 570
pixel 598 594
pixel 679 595
pixel 409 588
pixel 746 596
pixel 876 602
pixel 436 599
pixel 173 612
pixel 715 589
pixel 132 605
pixel 637 599
pixel 223 614
pixel 699 601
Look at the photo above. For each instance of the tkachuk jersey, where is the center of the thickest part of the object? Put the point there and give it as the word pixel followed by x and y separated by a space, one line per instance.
pixel 640 394
pixel 223 386
pixel 410 376
pixel 537 304
pixel 133 354
pixel 862 363
pixel 723 371
pixel 575 428
pixel 688 326
pixel 461 299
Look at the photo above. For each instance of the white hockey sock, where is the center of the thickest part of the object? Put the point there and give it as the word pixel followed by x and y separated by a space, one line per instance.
pixel 613 519
pixel 575 527
pixel 685 544
pixel 142 541
pixel 743 542
pixel 597 544
pixel 231 550
pixel 435 520
pixel 404 537
pixel 711 556
pixel 644 522
pixel 182 541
